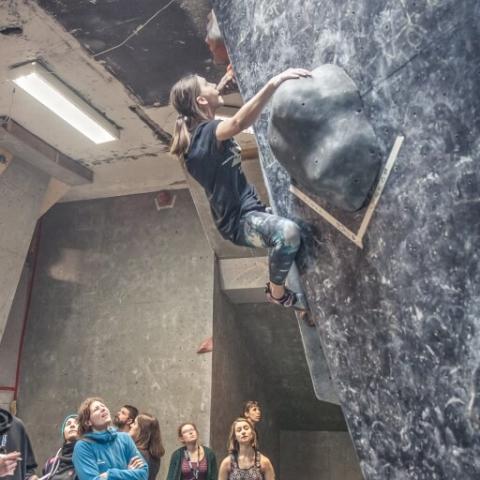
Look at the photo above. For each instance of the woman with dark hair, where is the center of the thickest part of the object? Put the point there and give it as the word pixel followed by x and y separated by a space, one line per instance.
pixel 245 462
pixel 60 467
pixel 210 154
pixel 102 452
pixel 145 432
pixel 192 461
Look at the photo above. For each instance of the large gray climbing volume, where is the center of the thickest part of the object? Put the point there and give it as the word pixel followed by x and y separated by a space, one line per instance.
pixel 320 134
pixel 399 320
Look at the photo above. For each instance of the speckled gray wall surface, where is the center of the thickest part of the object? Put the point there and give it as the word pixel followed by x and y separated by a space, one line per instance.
pixel 122 299
pixel 398 319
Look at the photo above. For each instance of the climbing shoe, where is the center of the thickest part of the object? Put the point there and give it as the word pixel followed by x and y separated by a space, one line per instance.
pixel 289 300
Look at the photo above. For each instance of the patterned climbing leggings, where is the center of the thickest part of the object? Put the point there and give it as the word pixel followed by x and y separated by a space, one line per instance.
pixel 280 235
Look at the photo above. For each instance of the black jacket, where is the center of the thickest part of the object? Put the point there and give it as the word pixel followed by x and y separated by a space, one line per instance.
pixel 65 470
pixel 17 440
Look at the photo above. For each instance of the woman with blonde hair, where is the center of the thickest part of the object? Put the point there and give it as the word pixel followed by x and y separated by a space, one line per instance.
pixel 212 157
pixel 145 432
pixel 244 462
pixel 193 461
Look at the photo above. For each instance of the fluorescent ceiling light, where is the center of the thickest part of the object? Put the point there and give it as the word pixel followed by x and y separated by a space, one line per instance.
pixel 61 100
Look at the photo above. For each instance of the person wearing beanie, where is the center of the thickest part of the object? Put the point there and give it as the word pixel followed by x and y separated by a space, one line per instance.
pixel 60 467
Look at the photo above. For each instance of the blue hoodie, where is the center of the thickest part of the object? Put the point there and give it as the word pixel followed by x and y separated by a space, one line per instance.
pixel 108 451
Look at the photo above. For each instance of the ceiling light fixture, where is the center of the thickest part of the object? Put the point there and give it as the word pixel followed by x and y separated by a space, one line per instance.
pixel 37 81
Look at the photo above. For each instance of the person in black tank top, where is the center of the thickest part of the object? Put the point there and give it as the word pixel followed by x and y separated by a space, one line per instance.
pixel 244 462
pixel 213 158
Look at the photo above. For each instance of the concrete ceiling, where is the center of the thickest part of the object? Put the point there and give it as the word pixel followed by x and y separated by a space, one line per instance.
pixel 166 48
pixel 129 84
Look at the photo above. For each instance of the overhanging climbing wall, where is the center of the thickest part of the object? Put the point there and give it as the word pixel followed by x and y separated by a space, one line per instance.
pixel 399 319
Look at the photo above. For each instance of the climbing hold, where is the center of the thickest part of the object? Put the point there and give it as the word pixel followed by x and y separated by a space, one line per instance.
pixel 318 131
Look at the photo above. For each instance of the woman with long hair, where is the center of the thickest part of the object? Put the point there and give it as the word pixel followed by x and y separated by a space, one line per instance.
pixel 244 462
pixel 145 432
pixel 192 461
pixel 212 157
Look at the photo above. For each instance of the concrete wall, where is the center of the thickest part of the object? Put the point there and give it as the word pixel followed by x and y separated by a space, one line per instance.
pixel 274 339
pixel 11 339
pixel 122 300
pixel 22 188
pixel 318 456
pixel 237 378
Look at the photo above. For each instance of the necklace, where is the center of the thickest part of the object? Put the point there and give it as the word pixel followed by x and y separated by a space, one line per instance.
pixel 195 471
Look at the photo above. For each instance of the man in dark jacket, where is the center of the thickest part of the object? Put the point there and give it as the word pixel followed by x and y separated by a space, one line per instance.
pixel 15 438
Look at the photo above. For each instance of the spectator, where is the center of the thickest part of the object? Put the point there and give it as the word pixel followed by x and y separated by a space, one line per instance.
pixel 60 467
pixel 145 432
pixel 192 461
pixel 125 417
pixel 14 438
pixel 102 452
pixel 244 460
pixel 252 412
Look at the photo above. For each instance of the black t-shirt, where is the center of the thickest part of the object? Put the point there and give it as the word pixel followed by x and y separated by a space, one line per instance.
pixel 217 167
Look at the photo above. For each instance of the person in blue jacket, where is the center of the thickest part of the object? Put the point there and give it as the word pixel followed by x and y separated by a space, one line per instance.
pixel 102 452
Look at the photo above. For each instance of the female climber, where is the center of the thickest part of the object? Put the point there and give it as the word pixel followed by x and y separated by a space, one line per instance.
pixel 212 157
